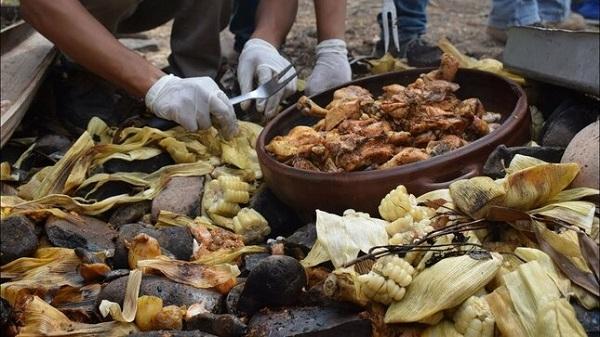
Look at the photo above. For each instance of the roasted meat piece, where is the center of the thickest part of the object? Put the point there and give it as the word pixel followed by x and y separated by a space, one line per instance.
pixel 446 144
pixel 298 142
pixel 406 156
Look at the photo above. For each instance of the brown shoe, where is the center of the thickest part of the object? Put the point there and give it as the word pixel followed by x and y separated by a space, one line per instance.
pixel 497 34
pixel 573 22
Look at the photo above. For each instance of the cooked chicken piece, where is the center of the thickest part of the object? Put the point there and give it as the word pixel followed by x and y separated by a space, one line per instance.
pixel 350 93
pixel 405 156
pixel 423 139
pixel 479 127
pixel 393 89
pixel 491 117
pixel 399 137
pixel 447 70
pixel 298 142
pixel 303 164
pixel 396 110
pixel 371 153
pixel 445 144
pixel 369 128
pixel 469 108
pixel 310 108
pixel 334 114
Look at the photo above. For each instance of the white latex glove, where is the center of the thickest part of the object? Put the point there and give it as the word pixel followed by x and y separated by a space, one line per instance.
pixel 332 68
pixel 195 103
pixel 261 61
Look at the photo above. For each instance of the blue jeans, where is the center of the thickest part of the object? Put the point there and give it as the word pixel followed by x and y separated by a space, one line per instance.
pixel 242 22
pixel 412 19
pixel 509 13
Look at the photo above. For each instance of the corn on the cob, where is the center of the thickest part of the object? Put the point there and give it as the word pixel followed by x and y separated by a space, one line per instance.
pixel 251 225
pixel 474 318
pixel 388 279
pixel 444 285
pixel 443 329
pixel 399 204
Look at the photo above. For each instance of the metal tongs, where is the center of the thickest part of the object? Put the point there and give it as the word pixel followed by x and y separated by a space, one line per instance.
pixel 268 89
pixel 388 12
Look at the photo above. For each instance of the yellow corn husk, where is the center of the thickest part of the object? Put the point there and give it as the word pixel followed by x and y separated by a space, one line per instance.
pixel 50 269
pixel 574 194
pixel 148 307
pixel 177 150
pixel 530 288
pixel 490 65
pixel 387 64
pixel 196 275
pixel 228 255
pixel 521 162
pixel 143 247
pixel 100 131
pixel 566 243
pixel 535 186
pixel 343 284
pixel 509 264
pixel 443 329
pixel 134 281
pixel 507 319
pixel 41 319
pixel 240 151
pixel 556 318
pixel 474 318
pixel 141 153
pixel 578 213
pixel 6 172
pixel 474 196
pixel 251 225
pixel 317 255
pixel 532 254
pixel 587 300
pixel 442 286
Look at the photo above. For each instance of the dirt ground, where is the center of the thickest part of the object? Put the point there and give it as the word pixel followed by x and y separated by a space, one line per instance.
pixel 461 21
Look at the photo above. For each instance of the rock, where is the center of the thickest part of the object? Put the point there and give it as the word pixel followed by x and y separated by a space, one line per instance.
pixel 140 44
pixel 233 297
pixel 301 242
pixel 590 319
pixel 52 144
pixel 252 260
pixel 583 150
pixel 147 166
pixel 17 238
pixel 178 241
pixel 92 234
pixel 182 195
pixel 172 293
pixel 5 313
pixel 129 213
pixel 502 156
pixel 115 274
pixel 308 322
pixel 161 124
pixel 282 219
pixel 566 120
pixel 277 280
pixel 171 333
pixel 220 325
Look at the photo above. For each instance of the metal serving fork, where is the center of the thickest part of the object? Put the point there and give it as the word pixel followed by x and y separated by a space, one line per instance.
pixel 389 12
pixel 268 89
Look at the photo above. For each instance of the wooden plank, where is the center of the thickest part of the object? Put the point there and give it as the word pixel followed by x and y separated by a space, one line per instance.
pixel 26 56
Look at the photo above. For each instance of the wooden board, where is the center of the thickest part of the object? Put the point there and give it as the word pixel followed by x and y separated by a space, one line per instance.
pixel 26 56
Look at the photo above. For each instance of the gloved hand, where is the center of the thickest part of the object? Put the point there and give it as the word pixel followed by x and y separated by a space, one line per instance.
pixel 332 68
pixel 260 60
pixel 195 103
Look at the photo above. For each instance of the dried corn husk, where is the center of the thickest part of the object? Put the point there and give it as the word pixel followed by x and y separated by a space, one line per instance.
pixel 41 319
pixel 343 237
pixel 228 255
pixel 50 269
pixel 240 151
pixel 474 196
pixel 490 65
pixel 6 172
pixel 566 243
pixel 134 281
pixel 196 275
pixel 530 288
pixel 535 186
pixel 532 254
pixel 386 64
pixel 574 194
pixel 317 255
pixel 148 307
pixel 177 150
pixel 521 162
pixel 507 319
pixel 442 286
pixel 343 285
pixel 578 213
pixel 556 318
pixel 444 328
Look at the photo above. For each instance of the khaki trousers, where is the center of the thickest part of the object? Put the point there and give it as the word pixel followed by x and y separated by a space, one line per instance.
pixel 195 46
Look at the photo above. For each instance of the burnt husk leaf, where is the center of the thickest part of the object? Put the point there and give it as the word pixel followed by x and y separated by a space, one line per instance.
pixel 591 253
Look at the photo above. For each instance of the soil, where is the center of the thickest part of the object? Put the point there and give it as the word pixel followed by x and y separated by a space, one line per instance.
pixel 463 22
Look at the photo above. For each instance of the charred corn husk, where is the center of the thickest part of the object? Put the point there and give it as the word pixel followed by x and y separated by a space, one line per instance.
pixel 387 281
pixel 443 285
pixel 557 318
pixel 474 318
pixel 474 196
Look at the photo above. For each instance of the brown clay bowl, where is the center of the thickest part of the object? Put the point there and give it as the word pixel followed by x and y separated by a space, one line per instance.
pixel 306 191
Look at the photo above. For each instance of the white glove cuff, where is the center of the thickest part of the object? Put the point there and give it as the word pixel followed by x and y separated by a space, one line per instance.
pixel 155 90
pixel 259 43
pixel 334 46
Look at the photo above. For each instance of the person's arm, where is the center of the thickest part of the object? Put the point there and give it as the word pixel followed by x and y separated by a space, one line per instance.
pixel 331 19
pixel 274 19
pixel 79 35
